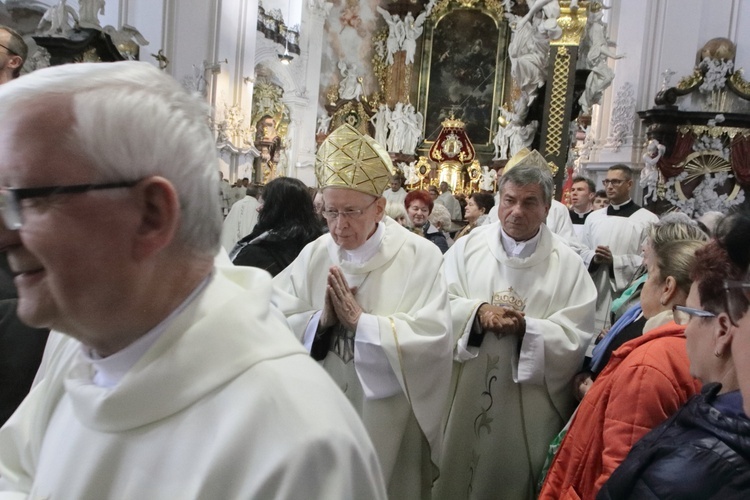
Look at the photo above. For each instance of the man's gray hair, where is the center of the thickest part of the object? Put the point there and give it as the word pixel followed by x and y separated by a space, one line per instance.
pixel 525 175
pixel 134 121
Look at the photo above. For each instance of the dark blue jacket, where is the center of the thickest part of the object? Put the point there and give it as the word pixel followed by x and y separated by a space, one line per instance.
pixel 701 452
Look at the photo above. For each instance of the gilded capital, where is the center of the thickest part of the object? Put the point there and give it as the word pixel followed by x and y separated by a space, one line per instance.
pixel 572 21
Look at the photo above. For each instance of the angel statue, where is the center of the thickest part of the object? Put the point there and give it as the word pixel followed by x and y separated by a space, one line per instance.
pixel 601 75
pixel 410 172
pixel 324 121
pixel 412 31
pixel 350 87
pixel 487 179
pixel 502 138
pixel 57 19
pixel 89 11
pixel 650 173
pixel 396 34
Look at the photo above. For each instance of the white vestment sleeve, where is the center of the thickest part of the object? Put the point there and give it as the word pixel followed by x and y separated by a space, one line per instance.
pixel 310 330
pixel 529 368
pixel 374 371
pixel 465 352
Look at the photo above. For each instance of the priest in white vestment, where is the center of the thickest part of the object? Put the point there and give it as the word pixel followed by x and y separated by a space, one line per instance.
pixel 239 222
pixel 170 378
pixel 523 310
pixel 369 300
pixel 395 192
pixel 613 237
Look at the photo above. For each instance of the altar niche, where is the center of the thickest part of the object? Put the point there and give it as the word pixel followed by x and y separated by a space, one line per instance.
pixel 464 72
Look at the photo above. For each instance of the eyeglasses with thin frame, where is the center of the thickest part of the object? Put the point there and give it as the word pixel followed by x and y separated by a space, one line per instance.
pixel 9 51
pixel 738 298
pixel 10 198
pixel 682 314
pixel 614 182
pixel 332 215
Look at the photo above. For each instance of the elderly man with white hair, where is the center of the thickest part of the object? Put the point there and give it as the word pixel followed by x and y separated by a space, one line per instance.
pixel 174 378
pixel 369 300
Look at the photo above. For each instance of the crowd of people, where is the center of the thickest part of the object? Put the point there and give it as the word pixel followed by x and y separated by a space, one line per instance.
pixel 353 342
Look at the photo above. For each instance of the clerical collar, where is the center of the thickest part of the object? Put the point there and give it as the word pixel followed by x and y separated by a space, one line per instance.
pixel 623 209
pixel 110 370
pixel 582 215
pixel 520 249
pixel 367 250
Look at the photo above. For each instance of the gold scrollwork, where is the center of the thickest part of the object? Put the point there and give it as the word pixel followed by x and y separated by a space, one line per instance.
pixel 572 22
pixel 557 101
pixel 739 83
pixel 688 82
pixel 443 6
pixel 699 130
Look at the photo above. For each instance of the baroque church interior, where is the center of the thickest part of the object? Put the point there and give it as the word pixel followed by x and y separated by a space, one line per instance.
pixel 452 88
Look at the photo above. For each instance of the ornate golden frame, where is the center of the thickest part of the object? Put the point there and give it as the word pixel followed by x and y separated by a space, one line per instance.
pixel 494 10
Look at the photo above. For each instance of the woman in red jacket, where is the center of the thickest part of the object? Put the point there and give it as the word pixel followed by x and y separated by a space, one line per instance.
pixel 646 380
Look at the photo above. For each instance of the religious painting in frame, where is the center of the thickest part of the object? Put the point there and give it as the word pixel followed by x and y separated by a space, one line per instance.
pixel 463 71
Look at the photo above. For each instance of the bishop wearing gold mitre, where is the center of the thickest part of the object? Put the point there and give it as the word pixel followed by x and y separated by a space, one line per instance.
pixel 369 301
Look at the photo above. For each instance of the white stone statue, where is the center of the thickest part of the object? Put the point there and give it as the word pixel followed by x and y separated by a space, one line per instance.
pixel 57 20
pixel 410 172
pixel 88 12
pixel 412 31
pixel 650 173
pixel 324 121
pixel 123 36
pixel 412 130
pixel 350 87
pixel 380 121
pixel 601 75
pixel 528 51
pixel 396 34
pixel 487 179
pixel 521 136
pixel 547 12
pixel 501 139
pixel 394 143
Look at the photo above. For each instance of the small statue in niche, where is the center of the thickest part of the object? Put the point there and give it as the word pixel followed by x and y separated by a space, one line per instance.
pixel 650 174
pixel 57 19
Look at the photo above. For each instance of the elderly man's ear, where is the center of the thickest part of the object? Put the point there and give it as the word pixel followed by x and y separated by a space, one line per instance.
pixel 159 216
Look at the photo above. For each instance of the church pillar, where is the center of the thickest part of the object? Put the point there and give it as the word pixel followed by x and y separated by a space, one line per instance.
pixel 558 98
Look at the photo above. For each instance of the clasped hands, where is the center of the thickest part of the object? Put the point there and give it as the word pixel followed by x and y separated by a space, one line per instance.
pixel 603 255
pixel 340 305
pixel 501 320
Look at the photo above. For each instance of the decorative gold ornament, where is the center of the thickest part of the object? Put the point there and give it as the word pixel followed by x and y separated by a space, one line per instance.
pixel 530 158
pixel 689 82
pixel 332 95
pixel 699 130
pixel 704 163
pixel 351 160
pixel 444 6
pixel 739 83
pixel 573 24
pixel 557 101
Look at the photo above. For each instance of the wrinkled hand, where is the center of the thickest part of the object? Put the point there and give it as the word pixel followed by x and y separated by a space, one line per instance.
pixel 328 316
pixel 602 255
pixel 501 320
pixel 342 299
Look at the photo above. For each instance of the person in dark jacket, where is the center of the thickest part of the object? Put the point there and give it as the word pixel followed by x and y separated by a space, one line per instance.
pixel 286 223
pixel 419 206
pixel 703 450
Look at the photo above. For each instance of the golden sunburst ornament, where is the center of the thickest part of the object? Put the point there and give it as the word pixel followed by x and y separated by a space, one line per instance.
pixel 704 163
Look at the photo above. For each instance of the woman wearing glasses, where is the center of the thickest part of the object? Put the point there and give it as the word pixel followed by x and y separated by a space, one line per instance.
pixel 645 381
pixel 703 450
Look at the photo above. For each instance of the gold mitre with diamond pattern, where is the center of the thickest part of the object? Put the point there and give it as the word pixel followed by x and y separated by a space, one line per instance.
pixel 528 158
pixel 351 160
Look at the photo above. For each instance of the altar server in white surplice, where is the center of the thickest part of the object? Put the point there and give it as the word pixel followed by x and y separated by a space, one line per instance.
pixel 240 221
pixel 369 299
pixel 613 237
pixel 523 312
pixel 167 377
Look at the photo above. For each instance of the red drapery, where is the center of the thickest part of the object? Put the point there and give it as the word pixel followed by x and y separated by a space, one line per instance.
pixel 683 146
pixel 740 158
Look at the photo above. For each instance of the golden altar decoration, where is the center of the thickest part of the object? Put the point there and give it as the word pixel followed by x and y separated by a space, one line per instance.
pixel 452 150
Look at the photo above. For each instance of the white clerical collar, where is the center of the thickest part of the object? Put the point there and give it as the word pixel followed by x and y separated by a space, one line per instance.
pixel 520 249
pixel 367 250
pixel 618 207
pixel 110 370
pixel 582 214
